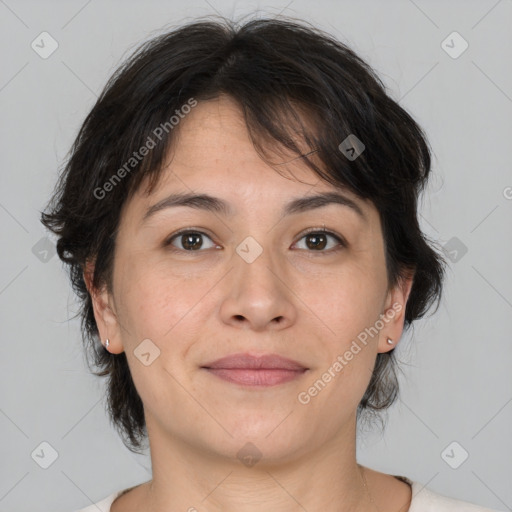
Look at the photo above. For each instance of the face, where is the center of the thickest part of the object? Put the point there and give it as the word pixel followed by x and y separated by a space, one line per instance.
pixel 253 278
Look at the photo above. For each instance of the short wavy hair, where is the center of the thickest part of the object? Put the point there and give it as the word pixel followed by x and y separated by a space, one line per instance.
pixel 297 87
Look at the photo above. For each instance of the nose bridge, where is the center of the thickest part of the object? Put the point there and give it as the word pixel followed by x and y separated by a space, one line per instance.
pixel 256 263
pixel 256 293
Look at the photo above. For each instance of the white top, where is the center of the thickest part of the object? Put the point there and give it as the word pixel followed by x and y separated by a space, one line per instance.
pixel 423 500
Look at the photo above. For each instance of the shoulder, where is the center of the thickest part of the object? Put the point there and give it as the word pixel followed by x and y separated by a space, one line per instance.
pixel 426 500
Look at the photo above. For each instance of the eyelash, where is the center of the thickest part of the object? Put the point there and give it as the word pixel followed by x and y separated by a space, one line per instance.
pixel 338 238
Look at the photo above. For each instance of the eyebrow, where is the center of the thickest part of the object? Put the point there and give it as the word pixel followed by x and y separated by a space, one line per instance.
pixel 214 204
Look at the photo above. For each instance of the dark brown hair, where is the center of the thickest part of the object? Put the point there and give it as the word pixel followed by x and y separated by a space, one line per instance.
pixel 297 86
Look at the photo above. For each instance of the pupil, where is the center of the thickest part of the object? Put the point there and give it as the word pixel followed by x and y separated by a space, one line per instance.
pixel 188 241
pixel 316 244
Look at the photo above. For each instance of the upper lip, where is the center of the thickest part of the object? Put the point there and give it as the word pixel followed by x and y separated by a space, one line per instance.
pixel 261 362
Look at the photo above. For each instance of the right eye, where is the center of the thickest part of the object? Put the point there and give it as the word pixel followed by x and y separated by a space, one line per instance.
pixel 190 240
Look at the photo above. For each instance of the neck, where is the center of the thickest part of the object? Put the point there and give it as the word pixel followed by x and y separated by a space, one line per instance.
pixel 187 477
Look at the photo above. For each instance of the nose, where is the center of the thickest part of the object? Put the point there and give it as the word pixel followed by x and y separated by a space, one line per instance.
pixel 258 295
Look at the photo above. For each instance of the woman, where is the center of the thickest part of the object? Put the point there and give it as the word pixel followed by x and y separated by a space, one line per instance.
pixel 239 218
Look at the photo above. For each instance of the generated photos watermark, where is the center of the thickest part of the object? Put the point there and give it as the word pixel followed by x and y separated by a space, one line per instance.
pixel 149 144
pixel 304 397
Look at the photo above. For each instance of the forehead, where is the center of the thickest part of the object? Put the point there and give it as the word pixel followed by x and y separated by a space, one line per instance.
pixel 212 153
pixel 214 136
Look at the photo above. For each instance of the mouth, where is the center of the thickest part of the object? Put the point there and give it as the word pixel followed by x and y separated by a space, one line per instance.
pixel 249 370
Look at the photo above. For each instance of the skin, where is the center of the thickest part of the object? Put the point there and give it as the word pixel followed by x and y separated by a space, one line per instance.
pixel 304 303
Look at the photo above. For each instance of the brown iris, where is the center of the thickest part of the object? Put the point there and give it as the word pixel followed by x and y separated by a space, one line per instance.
pixel 191 241
pixel 319 240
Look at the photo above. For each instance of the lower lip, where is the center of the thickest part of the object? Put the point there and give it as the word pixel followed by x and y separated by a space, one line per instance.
pixel 250 377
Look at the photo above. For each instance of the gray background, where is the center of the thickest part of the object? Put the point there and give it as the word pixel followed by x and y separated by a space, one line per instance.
pixel 457 384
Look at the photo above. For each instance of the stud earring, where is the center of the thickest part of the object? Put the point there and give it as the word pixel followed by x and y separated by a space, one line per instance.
pixel 390 341
pixel 107 343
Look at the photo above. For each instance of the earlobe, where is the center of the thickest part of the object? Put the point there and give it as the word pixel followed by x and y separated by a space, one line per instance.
pixel 394 315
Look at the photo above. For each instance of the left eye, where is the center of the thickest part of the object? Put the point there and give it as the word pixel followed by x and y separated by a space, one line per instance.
pixel 317 240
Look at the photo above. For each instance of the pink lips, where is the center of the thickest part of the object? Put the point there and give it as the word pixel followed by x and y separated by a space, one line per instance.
pixel 266 370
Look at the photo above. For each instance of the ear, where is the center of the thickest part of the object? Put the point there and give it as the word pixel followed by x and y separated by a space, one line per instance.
pixel 104 312
pixel 393 315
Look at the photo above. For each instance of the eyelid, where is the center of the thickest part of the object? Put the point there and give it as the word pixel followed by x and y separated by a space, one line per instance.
pixel 325 231
pixel 190 229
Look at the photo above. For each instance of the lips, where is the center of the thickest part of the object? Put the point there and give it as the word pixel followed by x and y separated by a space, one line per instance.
pixel 247 361
pixel 260 371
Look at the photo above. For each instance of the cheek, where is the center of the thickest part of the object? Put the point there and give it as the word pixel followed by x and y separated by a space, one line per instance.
pixel 151 301
pixel 347 303
pixel 347 300
pixel 159 308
